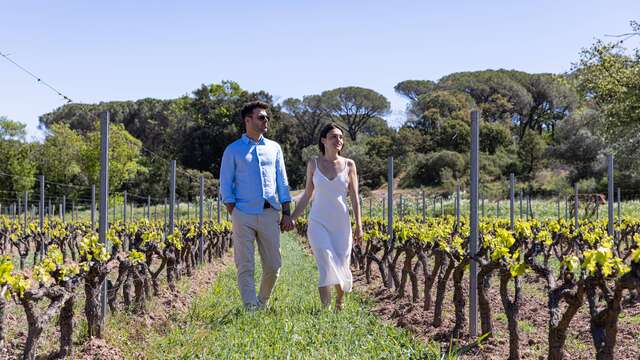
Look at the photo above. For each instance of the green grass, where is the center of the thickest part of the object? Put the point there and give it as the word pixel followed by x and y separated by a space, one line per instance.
pixel 573 344
pixel 294 325
pixel 630 319
pixel 526 327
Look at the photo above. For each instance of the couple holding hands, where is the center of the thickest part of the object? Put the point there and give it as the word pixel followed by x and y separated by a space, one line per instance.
pixel 254 188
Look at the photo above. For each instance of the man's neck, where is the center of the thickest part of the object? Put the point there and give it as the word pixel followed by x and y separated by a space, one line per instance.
pixel 254 136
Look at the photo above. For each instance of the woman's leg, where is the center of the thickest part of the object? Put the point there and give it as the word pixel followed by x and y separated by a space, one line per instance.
pixel 325 295
pixel 339 298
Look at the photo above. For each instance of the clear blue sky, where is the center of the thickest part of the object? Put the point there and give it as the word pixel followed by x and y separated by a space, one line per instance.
pixel 127 50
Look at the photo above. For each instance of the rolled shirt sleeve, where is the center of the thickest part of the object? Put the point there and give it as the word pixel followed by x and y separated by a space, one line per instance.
pixel 282 182
pixel 227 176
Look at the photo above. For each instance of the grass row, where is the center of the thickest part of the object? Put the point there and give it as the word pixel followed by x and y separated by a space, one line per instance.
pixel 294 325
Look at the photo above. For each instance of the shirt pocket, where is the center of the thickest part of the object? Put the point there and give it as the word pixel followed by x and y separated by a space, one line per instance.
pixel 267 158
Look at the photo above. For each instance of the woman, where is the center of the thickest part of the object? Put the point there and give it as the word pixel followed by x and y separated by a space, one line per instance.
pixel 329 178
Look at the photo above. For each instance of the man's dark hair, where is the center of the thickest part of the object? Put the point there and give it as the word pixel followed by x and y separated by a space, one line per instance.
pixel 248 108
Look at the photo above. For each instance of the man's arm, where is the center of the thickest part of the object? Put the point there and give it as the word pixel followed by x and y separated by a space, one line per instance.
pixel 227 177
pixel 282 187
pixel 287 223
pixel 282 184
pixel 286 209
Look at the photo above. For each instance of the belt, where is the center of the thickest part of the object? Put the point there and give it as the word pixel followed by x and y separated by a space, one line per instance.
pixel 266 204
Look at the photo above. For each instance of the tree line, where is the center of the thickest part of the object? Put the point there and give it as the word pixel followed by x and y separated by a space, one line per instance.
pixel 551 130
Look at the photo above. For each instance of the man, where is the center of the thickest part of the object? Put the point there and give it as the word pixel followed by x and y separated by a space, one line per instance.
pixel 254 187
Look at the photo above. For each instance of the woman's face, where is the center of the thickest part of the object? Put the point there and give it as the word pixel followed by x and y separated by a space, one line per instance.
pixel 334 140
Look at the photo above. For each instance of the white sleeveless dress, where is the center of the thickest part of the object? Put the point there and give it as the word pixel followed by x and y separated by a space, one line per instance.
pixel 329 229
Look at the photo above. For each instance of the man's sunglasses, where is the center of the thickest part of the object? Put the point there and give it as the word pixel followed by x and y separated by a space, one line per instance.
pixel 263 117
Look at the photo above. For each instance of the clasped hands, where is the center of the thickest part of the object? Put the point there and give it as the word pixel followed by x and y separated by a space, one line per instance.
pixel 287 223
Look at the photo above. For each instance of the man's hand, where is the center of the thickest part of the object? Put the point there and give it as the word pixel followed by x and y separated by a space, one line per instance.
pixel 230 207
pixel 287 224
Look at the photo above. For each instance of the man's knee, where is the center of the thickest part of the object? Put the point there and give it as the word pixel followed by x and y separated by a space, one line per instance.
pixel 244 266
pixel 272 269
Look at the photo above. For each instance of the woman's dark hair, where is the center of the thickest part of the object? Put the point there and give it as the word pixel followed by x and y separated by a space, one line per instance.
pixel 324 132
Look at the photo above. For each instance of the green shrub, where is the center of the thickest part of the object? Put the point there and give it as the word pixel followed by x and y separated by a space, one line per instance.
pixel 429 170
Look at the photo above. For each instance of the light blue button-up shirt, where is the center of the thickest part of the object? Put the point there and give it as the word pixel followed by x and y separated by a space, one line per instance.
pixel 252 173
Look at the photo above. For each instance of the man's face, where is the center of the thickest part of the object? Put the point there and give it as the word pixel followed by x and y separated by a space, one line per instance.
pixel 258 121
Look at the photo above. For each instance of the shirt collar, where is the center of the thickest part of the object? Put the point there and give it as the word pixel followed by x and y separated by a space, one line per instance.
pixel 247 140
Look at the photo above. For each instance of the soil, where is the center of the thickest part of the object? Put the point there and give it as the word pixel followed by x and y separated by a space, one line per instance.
pixel 533 319
pixel 168 307
pixel 162 312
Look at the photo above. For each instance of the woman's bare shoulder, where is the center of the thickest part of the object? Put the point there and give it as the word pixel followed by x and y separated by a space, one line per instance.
pixel 350 163
pixel 312 163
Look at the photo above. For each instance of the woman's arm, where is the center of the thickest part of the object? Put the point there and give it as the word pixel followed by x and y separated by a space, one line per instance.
pixel 355 199
pixel 302 203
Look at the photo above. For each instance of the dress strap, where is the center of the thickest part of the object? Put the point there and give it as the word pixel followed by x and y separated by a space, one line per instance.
pixel 346 166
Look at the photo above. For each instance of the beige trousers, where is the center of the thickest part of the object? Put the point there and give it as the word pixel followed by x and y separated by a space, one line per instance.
pixel 263 229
